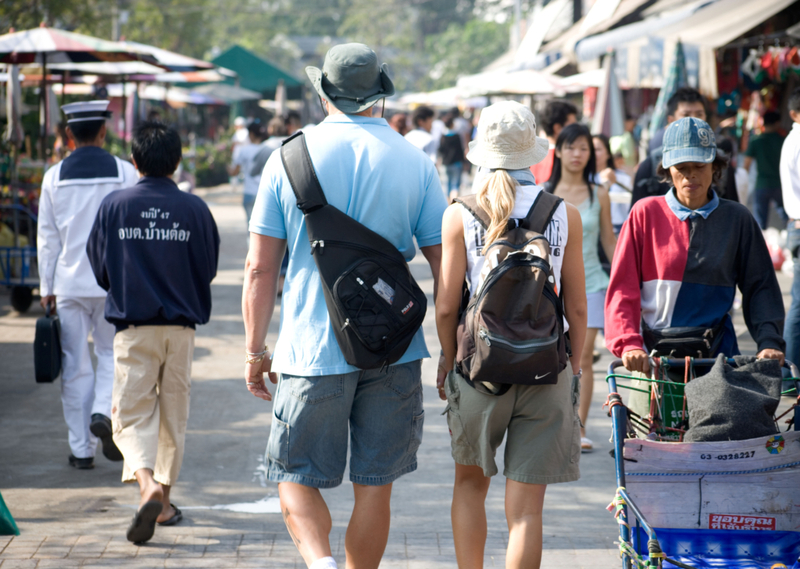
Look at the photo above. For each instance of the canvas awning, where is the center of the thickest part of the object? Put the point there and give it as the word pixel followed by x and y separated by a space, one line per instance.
pixel 596 46
pixel 256 73
pixel 718 24
pixel 526 82
pixel 227 93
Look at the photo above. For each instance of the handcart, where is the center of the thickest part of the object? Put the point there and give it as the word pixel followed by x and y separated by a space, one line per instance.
pixel 698 505
pixel 18 268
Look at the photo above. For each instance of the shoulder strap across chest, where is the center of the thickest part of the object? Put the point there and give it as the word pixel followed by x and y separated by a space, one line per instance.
pixel 302 176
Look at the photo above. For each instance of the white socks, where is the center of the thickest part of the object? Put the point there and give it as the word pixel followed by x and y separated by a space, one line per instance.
pixel 324 563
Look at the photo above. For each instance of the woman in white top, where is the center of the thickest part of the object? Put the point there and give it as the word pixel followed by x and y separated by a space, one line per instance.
pixel 539 422
pixel 621 189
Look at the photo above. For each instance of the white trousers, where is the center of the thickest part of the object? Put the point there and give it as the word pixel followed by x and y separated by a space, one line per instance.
pixel 85 391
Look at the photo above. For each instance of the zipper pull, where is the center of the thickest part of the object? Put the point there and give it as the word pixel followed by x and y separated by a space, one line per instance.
pixel 359 281
pixel 321 246
pixel 484 335
pixel 345 325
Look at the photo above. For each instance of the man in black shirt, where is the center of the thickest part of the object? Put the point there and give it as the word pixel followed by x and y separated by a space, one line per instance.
pixel 154 249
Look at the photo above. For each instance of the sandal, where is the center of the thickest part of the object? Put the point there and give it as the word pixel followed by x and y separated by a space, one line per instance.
pixel 143 524
pixel 174 519
pixel 586 445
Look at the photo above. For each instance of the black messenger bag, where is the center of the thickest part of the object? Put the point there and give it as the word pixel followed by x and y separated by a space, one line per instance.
pixel 47 348
pixel 375 305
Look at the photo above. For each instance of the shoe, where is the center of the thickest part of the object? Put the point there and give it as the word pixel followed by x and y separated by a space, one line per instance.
pixel 586 445
pixel 81 463
pixel 174 519
pixel 143 524
pixel 595 357
pixel 101 428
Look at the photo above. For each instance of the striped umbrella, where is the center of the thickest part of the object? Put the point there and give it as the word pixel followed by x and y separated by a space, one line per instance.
pixel 609 112
pixel 169 60
pixel 45 45
pixel 676 78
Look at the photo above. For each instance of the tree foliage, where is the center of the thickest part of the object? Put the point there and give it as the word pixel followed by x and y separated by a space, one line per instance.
pixel 427 43
pixel 68 14
pixel 463 50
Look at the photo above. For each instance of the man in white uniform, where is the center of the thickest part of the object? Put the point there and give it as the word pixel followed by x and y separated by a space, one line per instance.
pixel 71 194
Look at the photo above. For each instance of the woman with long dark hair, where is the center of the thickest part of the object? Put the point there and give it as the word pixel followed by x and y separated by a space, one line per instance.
pixel 574 170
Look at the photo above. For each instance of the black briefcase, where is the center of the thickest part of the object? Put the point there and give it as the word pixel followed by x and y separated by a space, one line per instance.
pixel 47 348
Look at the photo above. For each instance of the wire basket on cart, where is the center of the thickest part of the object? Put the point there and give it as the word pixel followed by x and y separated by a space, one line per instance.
pixel 701 504
pixel 18 267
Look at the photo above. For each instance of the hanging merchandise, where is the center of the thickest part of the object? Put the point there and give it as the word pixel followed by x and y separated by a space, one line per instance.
pixel 751 67
pixel 729 102
pixel 793 58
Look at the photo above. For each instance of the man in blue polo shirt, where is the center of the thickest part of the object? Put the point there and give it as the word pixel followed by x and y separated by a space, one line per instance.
pixel 370 172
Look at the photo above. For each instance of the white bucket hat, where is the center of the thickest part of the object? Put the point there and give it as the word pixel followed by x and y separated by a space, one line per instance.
pixel 507 138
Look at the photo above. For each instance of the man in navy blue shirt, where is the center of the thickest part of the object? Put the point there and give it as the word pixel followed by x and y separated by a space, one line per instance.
pixel 155 250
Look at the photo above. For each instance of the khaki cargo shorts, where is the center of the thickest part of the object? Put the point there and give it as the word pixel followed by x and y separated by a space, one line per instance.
pixel 543 445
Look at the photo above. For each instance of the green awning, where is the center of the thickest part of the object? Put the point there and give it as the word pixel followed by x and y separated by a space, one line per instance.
pixel 256 73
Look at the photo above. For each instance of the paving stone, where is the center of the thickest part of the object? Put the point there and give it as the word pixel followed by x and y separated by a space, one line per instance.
pixel 7 563
pixel 58 563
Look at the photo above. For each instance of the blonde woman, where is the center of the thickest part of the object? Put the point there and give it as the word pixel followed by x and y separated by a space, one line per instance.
pixel 540 423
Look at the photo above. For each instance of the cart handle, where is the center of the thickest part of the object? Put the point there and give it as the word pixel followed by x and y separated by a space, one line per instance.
pixel 21 208
pixel 680 362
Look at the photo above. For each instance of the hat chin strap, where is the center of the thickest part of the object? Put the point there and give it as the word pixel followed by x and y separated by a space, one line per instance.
pixel 325 108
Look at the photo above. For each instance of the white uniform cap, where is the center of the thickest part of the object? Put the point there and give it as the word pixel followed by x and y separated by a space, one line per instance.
pixel 86 111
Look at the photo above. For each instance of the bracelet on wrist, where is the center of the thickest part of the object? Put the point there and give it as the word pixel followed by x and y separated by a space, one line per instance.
pixel 264 351
pixel 255 359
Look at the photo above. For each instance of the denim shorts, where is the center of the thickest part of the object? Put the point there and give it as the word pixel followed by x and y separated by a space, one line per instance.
pixel 311 417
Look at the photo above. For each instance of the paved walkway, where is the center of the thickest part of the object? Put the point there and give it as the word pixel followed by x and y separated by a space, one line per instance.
pixel 71 518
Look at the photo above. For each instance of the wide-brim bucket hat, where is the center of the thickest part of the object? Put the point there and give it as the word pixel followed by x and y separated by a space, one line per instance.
pixel 688 140
pixel 351 79
pixel 506 138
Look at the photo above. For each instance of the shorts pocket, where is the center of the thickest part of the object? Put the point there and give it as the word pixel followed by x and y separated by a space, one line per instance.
pixel 278 443
pixel 416 433
pixel 575 392
pixel 405 379
pixel 451 390
pixel 314 390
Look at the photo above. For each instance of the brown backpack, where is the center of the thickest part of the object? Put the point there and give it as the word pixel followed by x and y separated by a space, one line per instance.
pixel 512 331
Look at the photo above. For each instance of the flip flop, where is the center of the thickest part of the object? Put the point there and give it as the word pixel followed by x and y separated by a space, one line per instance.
pixel 143 524
pixel 174 519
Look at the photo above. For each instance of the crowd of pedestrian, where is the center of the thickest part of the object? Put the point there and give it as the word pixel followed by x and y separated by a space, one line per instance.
pixel 558 241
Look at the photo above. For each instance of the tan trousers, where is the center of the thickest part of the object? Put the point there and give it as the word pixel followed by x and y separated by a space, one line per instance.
pixel 150 404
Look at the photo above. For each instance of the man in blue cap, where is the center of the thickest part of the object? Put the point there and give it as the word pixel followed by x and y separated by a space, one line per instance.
pixel 368 171
pixel 71 194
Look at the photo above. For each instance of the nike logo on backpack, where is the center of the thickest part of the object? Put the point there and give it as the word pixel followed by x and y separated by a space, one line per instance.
pixel 541 376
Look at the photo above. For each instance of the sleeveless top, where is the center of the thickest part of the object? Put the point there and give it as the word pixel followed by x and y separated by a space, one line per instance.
pixel 474 236
pixel 596 277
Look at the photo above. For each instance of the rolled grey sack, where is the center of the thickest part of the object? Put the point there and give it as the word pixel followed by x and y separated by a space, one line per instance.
pixel 734 403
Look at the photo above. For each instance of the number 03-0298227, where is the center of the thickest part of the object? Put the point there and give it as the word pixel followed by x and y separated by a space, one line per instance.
pixel 729 456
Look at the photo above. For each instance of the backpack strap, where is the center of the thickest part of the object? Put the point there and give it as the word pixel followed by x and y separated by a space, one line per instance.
pixel 542 211
pixel 470 203
pixel 301 174
pixel 537 219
